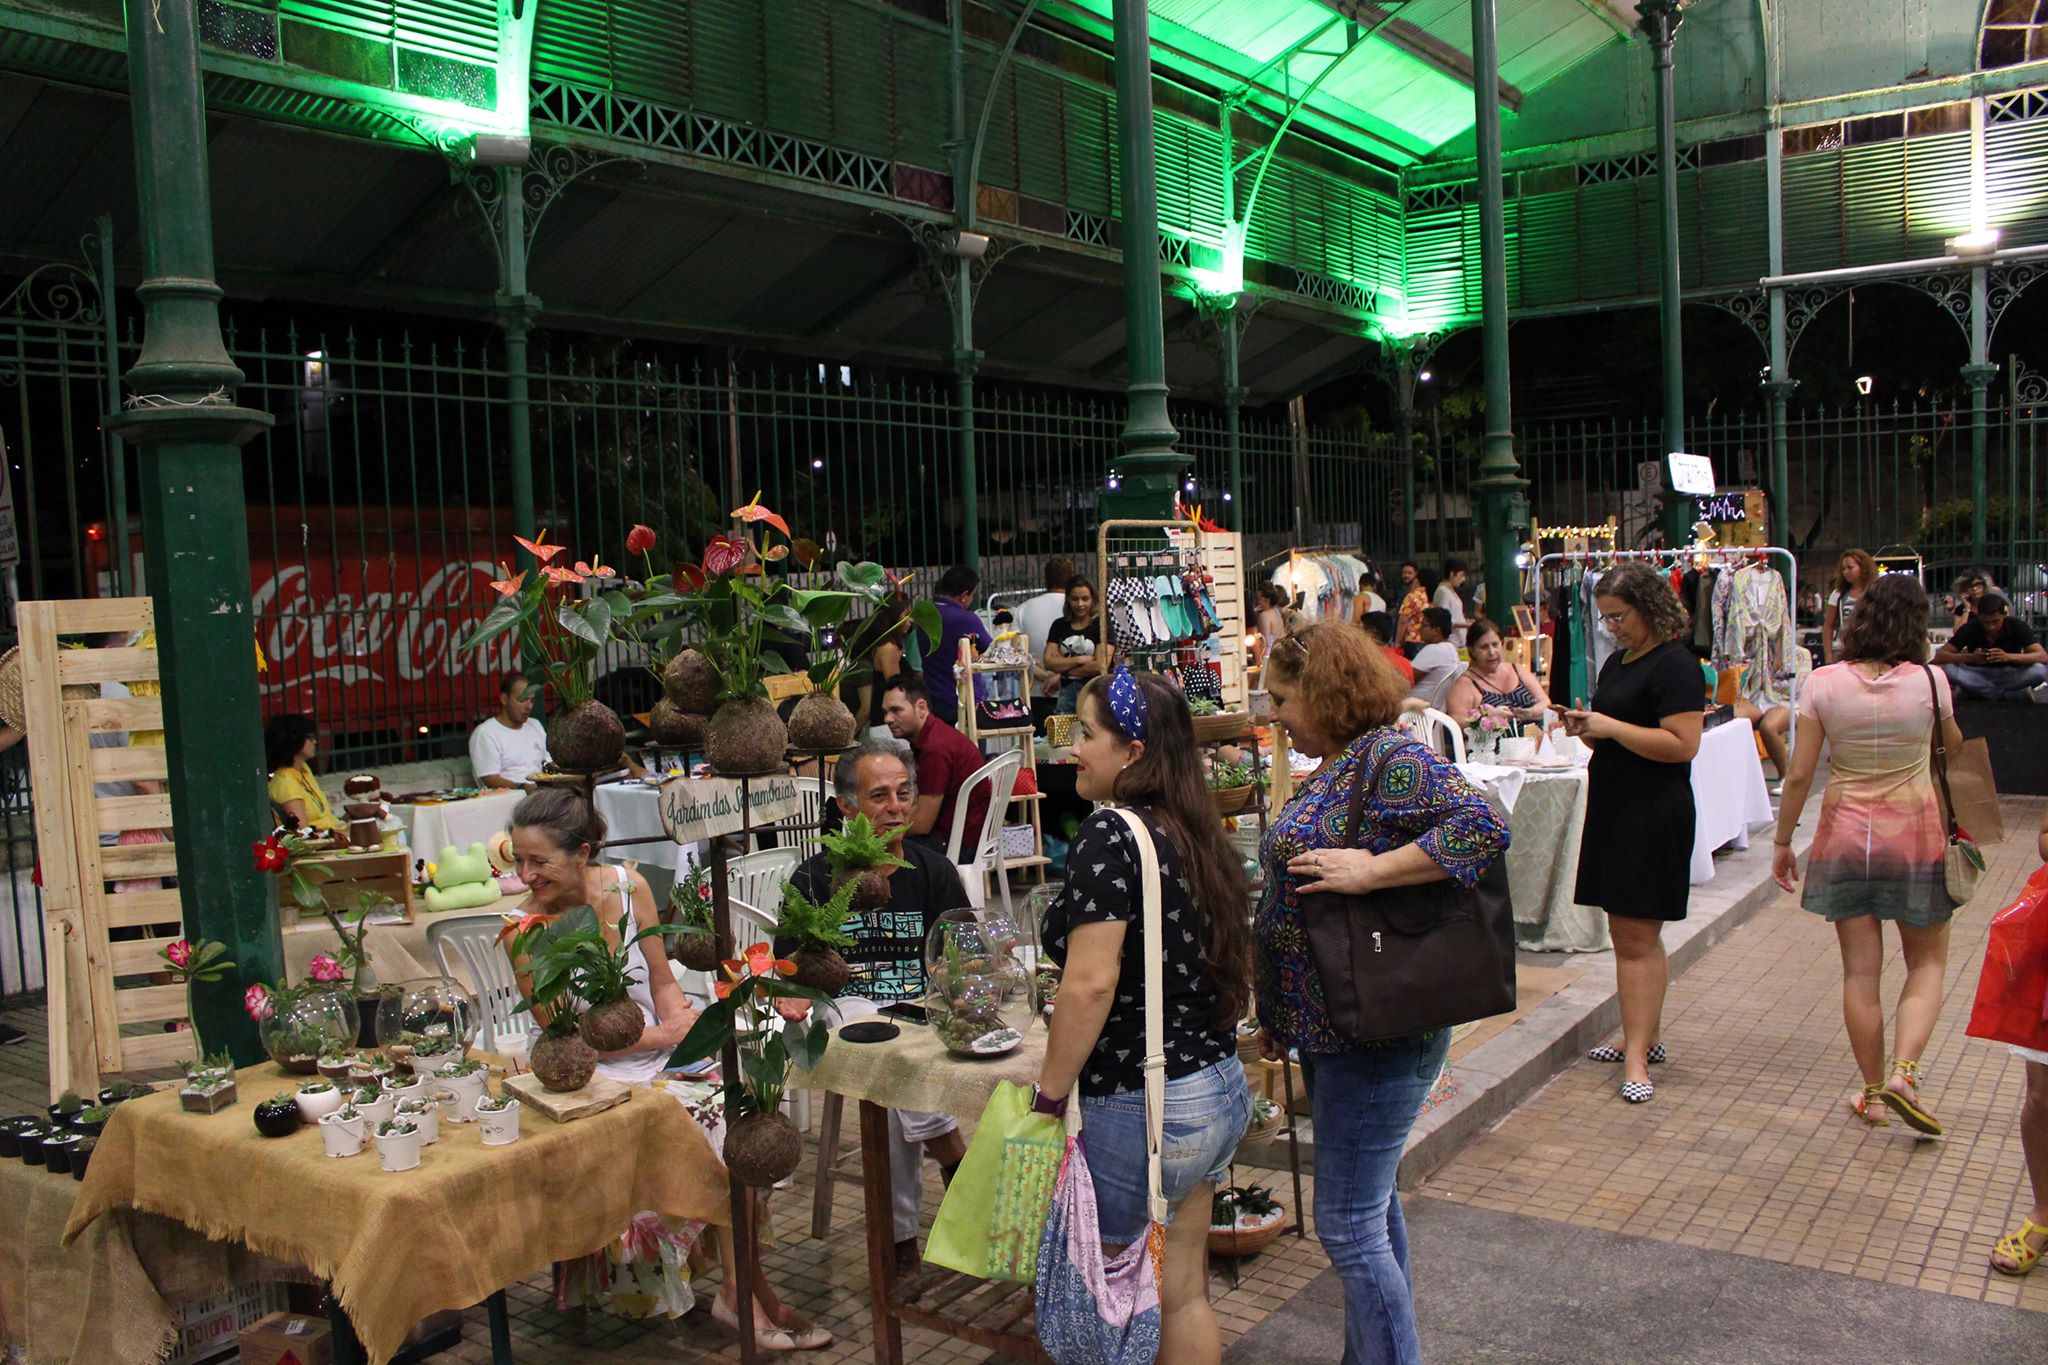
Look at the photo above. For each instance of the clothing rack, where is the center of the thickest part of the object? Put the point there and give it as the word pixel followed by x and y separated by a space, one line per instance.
pixel 1296 551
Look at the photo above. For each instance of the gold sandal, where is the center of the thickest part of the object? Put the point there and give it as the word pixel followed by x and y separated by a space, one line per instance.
pixel 1908 1107
pixel 2015 1248
pixel 1869 1106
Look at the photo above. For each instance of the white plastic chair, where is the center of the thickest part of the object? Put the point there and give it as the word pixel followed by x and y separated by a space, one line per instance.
pixel 466 947
pixel 757 879
pixel 1438 692
pixel 984 855
pixel 1438 731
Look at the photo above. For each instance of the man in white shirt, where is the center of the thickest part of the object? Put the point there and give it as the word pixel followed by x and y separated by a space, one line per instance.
pixel 1035 616
pixel 510 747
pixel 1437 665
pixel 1455 574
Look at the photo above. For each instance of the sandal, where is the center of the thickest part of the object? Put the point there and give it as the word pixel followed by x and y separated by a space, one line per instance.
pixel 1658 1055
pixel 767 1336
pixel 1869 1106
pixel 1895 1094
pixel 2015 1247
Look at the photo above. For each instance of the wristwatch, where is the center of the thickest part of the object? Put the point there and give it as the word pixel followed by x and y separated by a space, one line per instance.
pixel 1040 1104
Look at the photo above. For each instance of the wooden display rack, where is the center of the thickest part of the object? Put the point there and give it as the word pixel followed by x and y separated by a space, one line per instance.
pixel 96 934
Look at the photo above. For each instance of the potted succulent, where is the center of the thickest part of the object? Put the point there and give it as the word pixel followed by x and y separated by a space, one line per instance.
pixel 465 1080
pixel 820 722
pixel 120 1092
pixel 1243 1220
pixel 1265 1119
pixel 14 1131
pixel 411 1087
pixel 498 1117
pixel 699 946
pixel 816 933
pixel 31 1139
pixel 336 1066
pixel 568 959
pixel 318 1099
pixel 342 1131
pixel 373 1104
pixel 81 1156
pixel 424 1113
pixel 209 1084
pixel 564 632
pixel 766 1016
pixel 65 1108
pixel 861 854
pixel 57 1148
pixel 434 1047
pixel 398 1145
pixel 92 1120
pixel 279 1115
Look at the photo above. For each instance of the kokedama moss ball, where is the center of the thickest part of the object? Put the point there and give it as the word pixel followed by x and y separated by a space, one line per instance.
pixel 692 683
pixel 746 737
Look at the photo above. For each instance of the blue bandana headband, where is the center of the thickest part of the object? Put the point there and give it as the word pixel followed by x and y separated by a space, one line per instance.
pixel 1127 702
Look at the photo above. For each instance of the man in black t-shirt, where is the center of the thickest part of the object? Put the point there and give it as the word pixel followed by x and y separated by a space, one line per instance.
pixel 1993 656
pixel 879 780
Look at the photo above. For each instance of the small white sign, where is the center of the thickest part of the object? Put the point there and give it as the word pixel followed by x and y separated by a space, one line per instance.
pixel 697 808
pixel 1692 474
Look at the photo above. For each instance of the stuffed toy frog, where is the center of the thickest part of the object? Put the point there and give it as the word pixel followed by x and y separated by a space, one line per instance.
pixel 462 880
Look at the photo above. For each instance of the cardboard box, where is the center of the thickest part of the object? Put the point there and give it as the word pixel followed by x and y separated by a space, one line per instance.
pixel 289 1339
pixel 210 1327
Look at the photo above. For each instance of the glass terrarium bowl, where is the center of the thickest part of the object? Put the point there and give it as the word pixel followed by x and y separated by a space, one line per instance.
pixel 306 1025
pixel 978 994
pixel 433 1013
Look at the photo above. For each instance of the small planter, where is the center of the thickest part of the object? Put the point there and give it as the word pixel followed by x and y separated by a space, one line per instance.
pixel 1227 725
pixel 467 1090
pixel 60 1114
pixel 278 1116
pixel 207 1096
pixel 92 1121
pixel 398 1146
pixel 337 1069
pixel 1231 800
pixel 12 1132
pixel 500 1125
pixel 81 1157
pixel 377 1109
pixel 317 1100
pixel 423 1114
pixel 1252 1233
pixel 57 1149
pixel 122 1091
pixel 410 1089
pixel 342 1132
pixel 32 1145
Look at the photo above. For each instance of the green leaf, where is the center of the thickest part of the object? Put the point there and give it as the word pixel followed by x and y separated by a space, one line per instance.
pixel 502 618
pixel 574 621
pixel 925 617
pixel 784 617
pixel 620 604
pixel 707 1035
pixel 865 575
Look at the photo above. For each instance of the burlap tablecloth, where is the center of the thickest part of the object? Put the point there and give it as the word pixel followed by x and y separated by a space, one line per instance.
pixel 108 1295
pixel 914 1071
pixel 396 1247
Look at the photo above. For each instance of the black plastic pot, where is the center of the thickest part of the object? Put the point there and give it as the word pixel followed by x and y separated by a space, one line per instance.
pixel 57 1149
pixel 32 1145
pixel 61 1118
pixel 84 1129
pixel 81 1157
pixel 281 1122
pixel 11 1131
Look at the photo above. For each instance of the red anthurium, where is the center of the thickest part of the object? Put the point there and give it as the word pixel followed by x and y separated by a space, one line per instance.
pixel 754 511
pixel 595 570
pixel 687 577
pixel 721 989
pixel 639 540
pixel 560 577
pixel 515 925
pixel 723 555
pixel 509 587
pixel 760 959
pixel 539 547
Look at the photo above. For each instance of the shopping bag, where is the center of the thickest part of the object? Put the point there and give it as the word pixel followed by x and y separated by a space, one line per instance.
pixel 990 1222
pixel 1095 1310
pixel 1974 794
pixel 2012 988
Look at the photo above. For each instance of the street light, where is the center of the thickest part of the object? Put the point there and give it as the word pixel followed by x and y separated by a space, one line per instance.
pixel 1975 244
pixel 1864 383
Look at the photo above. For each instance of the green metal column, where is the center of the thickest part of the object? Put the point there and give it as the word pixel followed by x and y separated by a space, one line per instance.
pixel 1978 374
pixel 965 359
pixel 1402 373
pixel 1233 411
pixel 1660 20
pixel 188 432
pixel 1780 386
pixel 517 312
pixel 1502 507
pixel 117 458
pixel 1147 471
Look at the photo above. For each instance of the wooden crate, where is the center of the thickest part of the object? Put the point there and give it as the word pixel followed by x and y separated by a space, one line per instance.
pixel 385 873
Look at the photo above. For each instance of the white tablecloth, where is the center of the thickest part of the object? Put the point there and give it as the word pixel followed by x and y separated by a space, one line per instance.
pixel 1728 794
pixel 429 829
pixel 632 810
pixel 1547 819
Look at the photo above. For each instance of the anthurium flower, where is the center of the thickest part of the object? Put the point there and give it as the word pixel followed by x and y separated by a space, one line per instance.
pixel 754 512
pixel 560 576
pixel 595 570
pixel 723 555
pixel 515 925
pixel 792 1010
pixel 509 587
pixel 687 577
pixel 179 954
pixel 721 989
pixel 639 540
pixel 539 547
pixel 760 959
pixel 323 967
pixel 256 1000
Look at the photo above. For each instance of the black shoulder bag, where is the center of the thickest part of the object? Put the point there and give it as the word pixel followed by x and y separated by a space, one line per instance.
pixel 1408 959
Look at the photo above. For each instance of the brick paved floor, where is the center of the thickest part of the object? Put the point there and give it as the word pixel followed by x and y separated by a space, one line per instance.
pixel 1747 1147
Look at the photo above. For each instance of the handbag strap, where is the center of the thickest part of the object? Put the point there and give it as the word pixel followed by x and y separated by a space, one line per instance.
pixel 1937 748
pixel 1155 1014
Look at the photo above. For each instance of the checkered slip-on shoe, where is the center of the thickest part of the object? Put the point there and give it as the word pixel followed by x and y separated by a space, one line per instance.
pixel 1613 1054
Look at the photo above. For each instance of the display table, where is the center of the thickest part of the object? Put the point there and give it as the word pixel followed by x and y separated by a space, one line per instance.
pixel 914 1071
pixel 109 1295
pixel 397 1247
pixel 433 826
pixel 1546 822
pixel 1728 794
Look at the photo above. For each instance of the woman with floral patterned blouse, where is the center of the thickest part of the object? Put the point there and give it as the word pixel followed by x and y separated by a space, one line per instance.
pixel 1338 697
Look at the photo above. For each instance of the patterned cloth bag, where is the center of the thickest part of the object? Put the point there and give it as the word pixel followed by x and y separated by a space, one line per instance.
pixel 1093 1309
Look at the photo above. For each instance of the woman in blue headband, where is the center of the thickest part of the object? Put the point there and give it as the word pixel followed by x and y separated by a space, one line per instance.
pixel 1134 743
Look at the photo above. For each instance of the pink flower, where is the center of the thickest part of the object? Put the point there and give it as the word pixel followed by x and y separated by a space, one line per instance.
pixel 323 967
pixel 179 954
pixel 256 1000
pixel 792 1010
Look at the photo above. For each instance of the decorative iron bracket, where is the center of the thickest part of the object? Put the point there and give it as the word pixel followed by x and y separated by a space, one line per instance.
pixel 549 170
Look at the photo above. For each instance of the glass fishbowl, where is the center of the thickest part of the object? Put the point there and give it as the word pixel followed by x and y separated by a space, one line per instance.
pixel 978 992
pixel 433 1015
pixel 305 1025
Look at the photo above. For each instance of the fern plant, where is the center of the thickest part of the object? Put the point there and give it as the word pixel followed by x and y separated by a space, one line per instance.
pixel 817 931
pixel 859 854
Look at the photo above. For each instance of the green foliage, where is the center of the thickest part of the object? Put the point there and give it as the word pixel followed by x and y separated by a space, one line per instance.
pixel 1950 523
pixel 689 900
pixel 766 1042
pixel 69 1102
pixel 813 925
pixel 1255 1201
pixel 1223 775
pixel 579 961
pixel 859 846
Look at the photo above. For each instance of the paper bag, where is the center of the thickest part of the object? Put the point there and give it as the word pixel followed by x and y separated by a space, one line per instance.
pixel 1974 792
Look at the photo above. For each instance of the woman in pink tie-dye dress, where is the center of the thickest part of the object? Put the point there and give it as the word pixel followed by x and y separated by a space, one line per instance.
pixel 1877 855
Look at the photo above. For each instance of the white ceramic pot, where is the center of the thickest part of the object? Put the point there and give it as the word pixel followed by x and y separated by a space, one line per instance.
pixel 319 1104
pixel 406 1090
pixel 500 1128
pixel 425 1115
pixel 399 1151
pixel 467 1091
pixel 344 1137
pixel 376 1111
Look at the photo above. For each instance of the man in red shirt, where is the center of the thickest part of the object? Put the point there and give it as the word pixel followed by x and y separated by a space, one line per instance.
pixel 1380 625
pixel 945 760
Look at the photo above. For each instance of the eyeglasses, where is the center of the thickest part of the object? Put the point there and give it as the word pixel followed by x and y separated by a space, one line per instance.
pixel 1613 618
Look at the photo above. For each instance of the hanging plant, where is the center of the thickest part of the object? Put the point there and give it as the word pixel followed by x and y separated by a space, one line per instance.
pixel 821 722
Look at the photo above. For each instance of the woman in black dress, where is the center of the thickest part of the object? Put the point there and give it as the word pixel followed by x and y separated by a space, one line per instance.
pixel 1636 854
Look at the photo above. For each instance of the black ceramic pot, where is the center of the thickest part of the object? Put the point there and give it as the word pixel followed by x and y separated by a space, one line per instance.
pixel 81 1157
pixel 282 1121
pixel 57 1149
pixel 32 1145
pixel 60 1117
pixel 11 1131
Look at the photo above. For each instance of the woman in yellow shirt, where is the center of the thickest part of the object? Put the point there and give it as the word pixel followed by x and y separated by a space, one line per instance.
pixel 288 744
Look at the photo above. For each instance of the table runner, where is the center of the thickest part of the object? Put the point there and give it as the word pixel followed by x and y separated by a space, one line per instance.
pixel 396 1247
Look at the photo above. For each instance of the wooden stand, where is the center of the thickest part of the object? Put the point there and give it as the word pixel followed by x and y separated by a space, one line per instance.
pixel 598 1095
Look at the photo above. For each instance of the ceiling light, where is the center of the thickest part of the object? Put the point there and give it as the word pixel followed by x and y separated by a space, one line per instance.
pixel 497 149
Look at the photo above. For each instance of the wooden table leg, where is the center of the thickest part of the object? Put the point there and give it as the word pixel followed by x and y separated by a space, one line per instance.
pixel 501 1329
pixel 879 1195
pixel 828 1159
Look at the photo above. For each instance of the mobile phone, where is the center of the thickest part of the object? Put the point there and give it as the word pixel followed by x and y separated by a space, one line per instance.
pixel 908 1012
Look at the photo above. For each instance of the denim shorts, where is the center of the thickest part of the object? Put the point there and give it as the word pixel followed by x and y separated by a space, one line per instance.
pixel 1206 1113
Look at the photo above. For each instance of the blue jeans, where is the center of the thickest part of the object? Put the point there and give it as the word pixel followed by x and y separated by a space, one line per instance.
pixel 1994 682
pixel 1206 1113
pixel 1363 1103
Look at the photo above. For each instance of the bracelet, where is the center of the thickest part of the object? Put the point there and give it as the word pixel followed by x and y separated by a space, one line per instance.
pixel 1781 843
